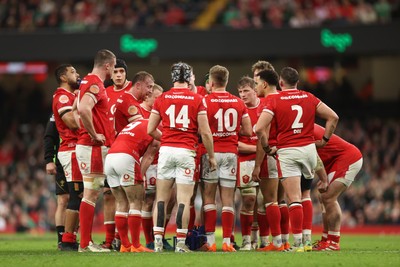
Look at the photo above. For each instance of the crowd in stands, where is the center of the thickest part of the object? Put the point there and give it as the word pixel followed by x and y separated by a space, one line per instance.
pixel 27 197
pixel 109 15
pixel 241 14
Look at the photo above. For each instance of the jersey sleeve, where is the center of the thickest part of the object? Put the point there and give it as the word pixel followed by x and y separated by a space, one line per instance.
pixel 62 104
pixel 270 105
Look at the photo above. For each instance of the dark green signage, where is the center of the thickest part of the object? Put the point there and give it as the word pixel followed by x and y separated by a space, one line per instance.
pixel 340 41
pixel 142 47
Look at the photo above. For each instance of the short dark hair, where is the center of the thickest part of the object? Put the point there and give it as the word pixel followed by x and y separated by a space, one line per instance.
pixel 290 76
pixel 141 76
pixel 102 57
pixel 61 70
pixel 246 81
pixel 270 76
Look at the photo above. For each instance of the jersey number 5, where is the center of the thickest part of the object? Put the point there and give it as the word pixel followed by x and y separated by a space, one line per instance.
pixel 181 118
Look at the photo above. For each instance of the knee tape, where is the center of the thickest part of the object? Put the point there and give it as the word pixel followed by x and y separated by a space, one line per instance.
pixel 249 191
pixel 160 213
pixel 179 215
pixel 94 183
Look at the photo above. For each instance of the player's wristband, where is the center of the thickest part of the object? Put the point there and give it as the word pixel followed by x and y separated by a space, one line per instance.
pixel 325 139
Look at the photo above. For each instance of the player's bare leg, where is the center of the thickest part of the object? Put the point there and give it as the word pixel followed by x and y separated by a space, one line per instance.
pixel 62 202
pixel 262 220
pixel 147 218
pixel 92 185
pixel 210 212
pixel 269 189
pixel 72 216
pixel 333 212
pixel 170 207
pixel 227 217
pixel 247 215
pixel 163 195
pixel 135 194
pixel 109 216
pixel 184 193
pixel 284 210
pixel 121 217
pixel 293 194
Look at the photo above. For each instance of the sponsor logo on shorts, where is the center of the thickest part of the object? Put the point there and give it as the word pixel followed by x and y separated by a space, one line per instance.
pixel 233 170
pixel 187 171
pixel 152 181
pixel 83 166
pixel 126 177
pixel 246 179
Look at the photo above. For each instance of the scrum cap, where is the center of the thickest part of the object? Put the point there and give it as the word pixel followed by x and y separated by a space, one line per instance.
pixel 181 72
pixel 121 64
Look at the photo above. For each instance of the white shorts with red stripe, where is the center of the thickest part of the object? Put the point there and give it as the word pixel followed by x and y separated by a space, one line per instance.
pixel 245 171
pixel 91 159
pixel 151 178
pixel 70 165
pixel 294 161
pixel 176 163
pixel 345 175
pixel 270 168
pixel 122 169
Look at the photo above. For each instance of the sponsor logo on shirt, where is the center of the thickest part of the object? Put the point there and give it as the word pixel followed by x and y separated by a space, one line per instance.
pixel 224 134
pixel 224 100
pixel 289 97
pixel 186 97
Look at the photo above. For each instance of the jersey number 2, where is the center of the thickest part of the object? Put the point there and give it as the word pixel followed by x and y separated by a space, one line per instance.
pixel 296 123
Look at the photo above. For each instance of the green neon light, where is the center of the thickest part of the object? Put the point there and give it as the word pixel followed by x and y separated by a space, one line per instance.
pixel 142 47
pixel 340 41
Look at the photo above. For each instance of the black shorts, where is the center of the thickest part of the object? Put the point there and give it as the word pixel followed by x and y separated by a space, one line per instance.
pixel 61 181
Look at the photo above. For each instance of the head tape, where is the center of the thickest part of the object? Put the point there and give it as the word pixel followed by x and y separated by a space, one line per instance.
pixel 181 72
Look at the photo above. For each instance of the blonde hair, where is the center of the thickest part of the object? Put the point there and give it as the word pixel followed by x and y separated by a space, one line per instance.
pixel 219 75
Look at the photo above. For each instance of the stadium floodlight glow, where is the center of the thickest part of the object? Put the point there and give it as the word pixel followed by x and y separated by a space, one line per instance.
pixel 142 47
pixel 340 41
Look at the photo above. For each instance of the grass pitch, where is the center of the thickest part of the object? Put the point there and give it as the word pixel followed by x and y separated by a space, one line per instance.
pixel 357 250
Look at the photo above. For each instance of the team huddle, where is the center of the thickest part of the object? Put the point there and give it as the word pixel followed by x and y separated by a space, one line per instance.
pixel 150 151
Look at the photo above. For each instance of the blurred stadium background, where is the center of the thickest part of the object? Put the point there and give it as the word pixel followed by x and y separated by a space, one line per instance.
pixel 348 54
